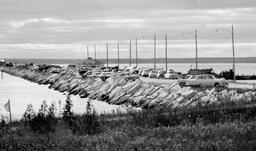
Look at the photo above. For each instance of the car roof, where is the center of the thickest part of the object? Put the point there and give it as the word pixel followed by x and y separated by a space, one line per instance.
pixel 204 75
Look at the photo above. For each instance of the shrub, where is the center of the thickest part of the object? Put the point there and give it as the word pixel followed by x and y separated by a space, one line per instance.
pixel 2 123
pixel 68 115
pixel 42 122
pixel 28 115
pixel 87 123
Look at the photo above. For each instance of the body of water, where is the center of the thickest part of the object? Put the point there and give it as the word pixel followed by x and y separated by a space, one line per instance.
pixel 241 68
pixel 22 92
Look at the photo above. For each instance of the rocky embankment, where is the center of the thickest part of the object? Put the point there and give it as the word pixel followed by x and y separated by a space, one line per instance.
pixel 129 90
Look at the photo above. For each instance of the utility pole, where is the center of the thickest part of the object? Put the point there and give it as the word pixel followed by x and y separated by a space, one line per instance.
pixel 233 48
pixel 196 49
pixel 154 51
pixel 130 62
pixel 107 54
pixel 118 55
pixel 95 51
pixel 166 61
pixel 136 45
pixel 87 51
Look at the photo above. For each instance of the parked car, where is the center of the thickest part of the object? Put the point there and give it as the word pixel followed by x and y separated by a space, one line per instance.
pixel 132 70
pixel 152 74
pixel 182 82
pixel 71 66
pixel 83 70
pixel 96 70
pixel 160 74
pixel 136 70
pixel 171 74
pixel 140 71
pixel 205 80
pixel 87 74
pixel 105 75
pixel 145 72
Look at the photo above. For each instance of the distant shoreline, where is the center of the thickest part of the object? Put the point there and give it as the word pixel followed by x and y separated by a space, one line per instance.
pixel 140 61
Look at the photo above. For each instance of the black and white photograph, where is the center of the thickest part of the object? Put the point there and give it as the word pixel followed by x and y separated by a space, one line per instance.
pixel 127 75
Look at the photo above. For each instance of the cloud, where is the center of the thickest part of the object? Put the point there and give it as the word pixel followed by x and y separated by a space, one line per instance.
pixel 56 25
pixel 181 49
pixel 49 20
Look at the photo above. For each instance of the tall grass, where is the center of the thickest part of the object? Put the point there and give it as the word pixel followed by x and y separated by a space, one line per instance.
pixel 212 128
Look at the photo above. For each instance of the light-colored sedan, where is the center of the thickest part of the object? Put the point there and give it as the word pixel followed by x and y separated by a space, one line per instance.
pixel 206 80
pixel 171 74
pixel 182 82
pixel 145 72
pixel 152 74
pixel 160 74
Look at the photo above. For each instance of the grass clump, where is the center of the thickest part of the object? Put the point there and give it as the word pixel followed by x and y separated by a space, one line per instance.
pixel 42 122
pixel 87 123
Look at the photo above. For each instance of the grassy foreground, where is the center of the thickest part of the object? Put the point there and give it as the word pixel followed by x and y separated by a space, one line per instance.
pixel 226 136
pixel 215 129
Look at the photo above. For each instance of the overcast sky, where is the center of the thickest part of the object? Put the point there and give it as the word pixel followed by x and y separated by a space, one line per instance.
pixel 63 28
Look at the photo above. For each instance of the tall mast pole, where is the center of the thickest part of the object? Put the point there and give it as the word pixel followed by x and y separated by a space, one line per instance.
pixel 95 51
pixel 166 62
pixel 233 49
pixel 154 51
pixel 130 62
pixel 196 49
pixel 136 43
pixel 107 54
pixel 87 51
pixel 118 55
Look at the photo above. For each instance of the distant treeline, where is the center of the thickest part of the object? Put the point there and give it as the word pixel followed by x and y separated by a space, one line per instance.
pixel 144 61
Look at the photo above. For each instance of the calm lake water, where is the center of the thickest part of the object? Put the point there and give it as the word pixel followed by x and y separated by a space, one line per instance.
pixel 241 68
pixel 22 92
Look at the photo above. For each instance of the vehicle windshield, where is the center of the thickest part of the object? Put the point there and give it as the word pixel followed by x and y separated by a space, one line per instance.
pixel 161 72
pixel 208 77
pixel 191 77
pixel 154 71
pixel 199 77
pixel 170 71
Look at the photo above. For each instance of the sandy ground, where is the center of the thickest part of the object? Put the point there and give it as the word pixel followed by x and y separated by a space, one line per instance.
pixel 243 84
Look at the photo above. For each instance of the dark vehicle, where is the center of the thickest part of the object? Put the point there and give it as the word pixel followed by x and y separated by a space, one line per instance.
pixel 8 64
pixel 229 75
pixel 200 71
pixel 83 70
pixel 71 66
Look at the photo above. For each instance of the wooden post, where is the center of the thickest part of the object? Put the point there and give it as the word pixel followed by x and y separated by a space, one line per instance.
pixel 10 113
